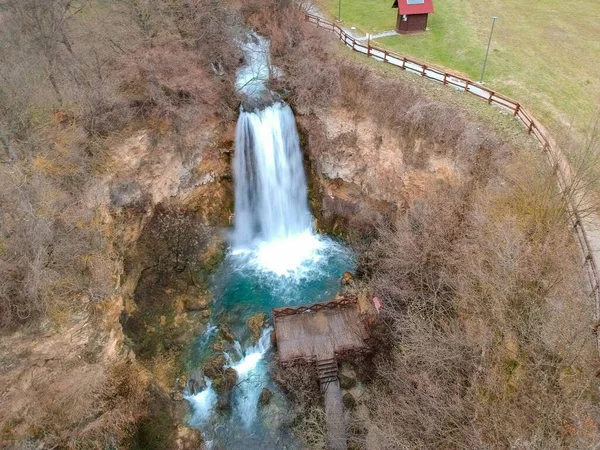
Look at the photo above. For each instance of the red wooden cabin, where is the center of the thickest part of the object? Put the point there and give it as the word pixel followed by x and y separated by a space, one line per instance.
pixel 412 15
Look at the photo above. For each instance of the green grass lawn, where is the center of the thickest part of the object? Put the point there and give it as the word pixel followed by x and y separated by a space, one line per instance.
pixel 545 53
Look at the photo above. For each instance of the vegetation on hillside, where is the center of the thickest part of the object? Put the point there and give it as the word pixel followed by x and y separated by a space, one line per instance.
pixel 487 322
pixel 75 77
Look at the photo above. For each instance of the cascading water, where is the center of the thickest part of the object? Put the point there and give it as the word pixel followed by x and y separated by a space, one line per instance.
pixel 276 258
pixel 270 190
pixel 272 220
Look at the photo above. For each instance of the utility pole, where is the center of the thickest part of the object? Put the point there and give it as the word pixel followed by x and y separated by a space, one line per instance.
pixel 340 11
pixel 488 48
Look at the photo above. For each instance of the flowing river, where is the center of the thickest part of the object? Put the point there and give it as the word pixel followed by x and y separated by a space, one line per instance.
pixel 275 258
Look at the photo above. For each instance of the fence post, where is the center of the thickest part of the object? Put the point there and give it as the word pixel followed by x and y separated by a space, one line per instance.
pixel 423 69
pixel 385 53
pixel 404 62
pixel 467 86
pixel 490 99
pixel 517 108
pixel 530 129
pixel 445 78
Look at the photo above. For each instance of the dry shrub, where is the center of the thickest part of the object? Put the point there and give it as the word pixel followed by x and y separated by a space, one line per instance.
pixel 303 53
pixel 299 382
pixel 75 77
pixel 52 252
pixel 96 410
pixel 489 320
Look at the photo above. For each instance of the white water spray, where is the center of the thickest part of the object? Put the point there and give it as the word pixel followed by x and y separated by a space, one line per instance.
pixel 251 378
pixel 270 187
pixel 202 403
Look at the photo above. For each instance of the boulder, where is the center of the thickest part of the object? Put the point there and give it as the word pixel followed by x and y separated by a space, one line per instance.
pixel 198 303
pixel 195 386
pixel 256 324
pixel 346 382
pixel 214 366
pixel 225 334
pixel 225 382
pixel 349 401
pixel 221 346
pixel 347 279
pixel 265 396
pixel 224 403
pixel 188 438
pixel 177 396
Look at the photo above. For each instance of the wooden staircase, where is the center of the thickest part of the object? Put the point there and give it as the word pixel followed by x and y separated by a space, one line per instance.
pixel 327 372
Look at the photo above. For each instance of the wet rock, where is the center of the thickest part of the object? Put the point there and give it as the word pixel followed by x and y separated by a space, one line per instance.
pixel 225 334
pixel 225 382
pixel 199 303
pixel 188 438
pixel 347 279
pixel 346 382
pixel 265 396
pixel 221 346
pixel 224 403
pixel 214 366
pixel 182 382
pixel 256 324
pixel 177 396
pixel 349 401
pixel 195 386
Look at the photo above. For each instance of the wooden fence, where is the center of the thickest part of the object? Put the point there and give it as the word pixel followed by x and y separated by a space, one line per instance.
pixel 290 311
pixel 553 153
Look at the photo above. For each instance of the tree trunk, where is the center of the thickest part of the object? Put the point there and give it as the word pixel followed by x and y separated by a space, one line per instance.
pixel 10 151
pixel 55 87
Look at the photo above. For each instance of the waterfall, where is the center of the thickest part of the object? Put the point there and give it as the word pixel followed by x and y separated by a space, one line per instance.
pixel 270 187
pixel 276 258
pixel 272 221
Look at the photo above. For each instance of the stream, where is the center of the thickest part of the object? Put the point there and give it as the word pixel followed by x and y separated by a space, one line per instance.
pixel 275 258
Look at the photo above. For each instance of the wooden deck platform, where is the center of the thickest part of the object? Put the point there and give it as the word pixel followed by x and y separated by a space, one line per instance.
pixel 320 331
pixel 318 334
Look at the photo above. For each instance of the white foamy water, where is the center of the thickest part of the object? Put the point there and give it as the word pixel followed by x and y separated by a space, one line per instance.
pixel 251 378
pixel 202 403
pixel 252 78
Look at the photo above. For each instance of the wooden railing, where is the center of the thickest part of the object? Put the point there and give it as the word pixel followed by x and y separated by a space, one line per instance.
pixel 290 311
pixel 555 156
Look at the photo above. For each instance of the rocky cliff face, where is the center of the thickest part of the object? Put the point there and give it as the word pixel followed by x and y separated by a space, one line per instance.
pixel 362 171
pixel 78 380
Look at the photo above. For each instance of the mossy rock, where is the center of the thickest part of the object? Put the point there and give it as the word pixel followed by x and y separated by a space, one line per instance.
pixel 225 382
pixel 256 324
pixel 349 401
pixel 346 382
pixel 197 303
pixel 225 334
pixel 214 366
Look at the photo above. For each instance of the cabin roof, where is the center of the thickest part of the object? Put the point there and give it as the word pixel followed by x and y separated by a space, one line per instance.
pixel 409 7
